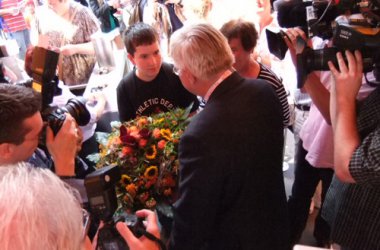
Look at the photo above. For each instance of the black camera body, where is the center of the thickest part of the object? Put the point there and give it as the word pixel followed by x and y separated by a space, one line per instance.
pixel 45 81
pixel 100 188
pixel 346 37
pixel 323 18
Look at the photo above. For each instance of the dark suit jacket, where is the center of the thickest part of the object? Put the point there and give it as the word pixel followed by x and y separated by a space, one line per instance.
pixel 232 193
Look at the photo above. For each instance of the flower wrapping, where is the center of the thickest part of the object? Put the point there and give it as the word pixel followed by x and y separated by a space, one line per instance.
pixel 146 151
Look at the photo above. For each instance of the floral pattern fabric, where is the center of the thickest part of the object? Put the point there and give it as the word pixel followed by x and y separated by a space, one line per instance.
pixel 76 69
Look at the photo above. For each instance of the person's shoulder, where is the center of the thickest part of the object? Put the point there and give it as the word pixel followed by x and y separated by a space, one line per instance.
pixel 257 89
pixel 168 68
pixel 267 74
pixel 127 81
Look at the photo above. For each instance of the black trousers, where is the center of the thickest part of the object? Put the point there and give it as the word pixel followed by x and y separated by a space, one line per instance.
pixel 306 179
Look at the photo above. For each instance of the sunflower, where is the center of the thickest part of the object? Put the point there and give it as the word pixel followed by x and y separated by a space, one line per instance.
pixel 151 172
pixel 151 152
pixel 125 179
pixel 166 133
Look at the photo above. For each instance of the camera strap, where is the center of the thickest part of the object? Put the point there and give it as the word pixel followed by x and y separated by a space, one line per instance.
pixel 154 238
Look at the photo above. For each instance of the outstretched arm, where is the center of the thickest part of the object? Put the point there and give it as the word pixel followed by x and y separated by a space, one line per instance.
pixel 346 86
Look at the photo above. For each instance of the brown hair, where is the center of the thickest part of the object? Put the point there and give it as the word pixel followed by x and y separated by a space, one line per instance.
pixel 17 103
pixel 243 30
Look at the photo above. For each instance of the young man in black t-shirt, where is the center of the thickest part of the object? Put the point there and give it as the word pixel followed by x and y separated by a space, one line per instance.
pixel 152 86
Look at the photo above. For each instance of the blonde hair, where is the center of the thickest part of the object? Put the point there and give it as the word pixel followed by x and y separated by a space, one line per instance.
pixel 38 210
pixel 202 49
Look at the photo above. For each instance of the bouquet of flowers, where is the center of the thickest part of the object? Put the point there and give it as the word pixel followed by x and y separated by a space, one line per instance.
pixel 146 151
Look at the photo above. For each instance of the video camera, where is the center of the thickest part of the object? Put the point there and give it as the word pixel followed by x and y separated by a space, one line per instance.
pixel 326 19
pixel 100 188
pixel 45 81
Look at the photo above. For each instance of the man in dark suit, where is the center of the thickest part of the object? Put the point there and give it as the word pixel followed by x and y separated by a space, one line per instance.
pixel 231 189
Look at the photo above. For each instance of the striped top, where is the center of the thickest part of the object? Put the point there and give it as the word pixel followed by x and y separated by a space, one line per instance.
pixel 13 23
pixel 268 75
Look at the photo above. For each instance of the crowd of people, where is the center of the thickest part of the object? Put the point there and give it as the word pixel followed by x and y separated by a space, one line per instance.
pixel 231 184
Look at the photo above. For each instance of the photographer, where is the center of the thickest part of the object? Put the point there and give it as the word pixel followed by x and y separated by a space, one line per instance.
pixel 39 211
pixel 314 156
pixel 20 128
pixel 352 202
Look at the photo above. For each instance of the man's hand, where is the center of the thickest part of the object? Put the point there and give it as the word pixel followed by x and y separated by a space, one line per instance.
pixel 63 147
pixel 348 79
pixel 142 242
pixel 296 41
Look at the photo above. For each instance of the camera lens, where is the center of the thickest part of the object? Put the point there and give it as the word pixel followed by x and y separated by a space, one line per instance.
pixel 76 107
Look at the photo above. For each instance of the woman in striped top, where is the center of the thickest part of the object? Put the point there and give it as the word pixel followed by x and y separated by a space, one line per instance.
pixel 242 37
pixel 14 25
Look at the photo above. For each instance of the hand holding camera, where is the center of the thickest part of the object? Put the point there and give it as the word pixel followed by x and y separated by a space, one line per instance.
pixel 127 233
pixel 350 72
pixel 130 234
pixel 63 146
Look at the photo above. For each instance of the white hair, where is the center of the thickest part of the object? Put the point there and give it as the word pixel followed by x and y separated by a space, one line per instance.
pixel 202 49
pixel 38 210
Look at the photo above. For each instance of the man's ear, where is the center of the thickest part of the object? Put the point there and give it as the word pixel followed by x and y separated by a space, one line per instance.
pixel 189 76
pixel 131 58
pixel 6 150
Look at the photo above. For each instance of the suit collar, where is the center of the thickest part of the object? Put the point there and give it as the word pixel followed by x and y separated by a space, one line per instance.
pixel 226 85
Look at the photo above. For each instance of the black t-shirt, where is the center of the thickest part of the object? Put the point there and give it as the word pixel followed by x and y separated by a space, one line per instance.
pixel 136 97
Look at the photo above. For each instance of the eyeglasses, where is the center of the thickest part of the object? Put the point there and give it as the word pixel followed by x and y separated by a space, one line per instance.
pixel 86 222
pixel 176 70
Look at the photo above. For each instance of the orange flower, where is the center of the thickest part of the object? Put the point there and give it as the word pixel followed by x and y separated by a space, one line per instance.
pixel 142 143
pixel 131 189
pixel 132 129
pixel 175 141
pixel 156 133
pixel 127 151
pixel 142 121
pixel 161 144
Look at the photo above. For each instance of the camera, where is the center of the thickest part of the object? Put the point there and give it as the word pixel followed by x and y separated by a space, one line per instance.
pixel 45 81
pixel 328 19
pixel 100 188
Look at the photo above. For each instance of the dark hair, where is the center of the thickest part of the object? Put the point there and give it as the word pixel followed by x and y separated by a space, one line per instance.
pixel 17 103
pixel 139 34
pixel 243 30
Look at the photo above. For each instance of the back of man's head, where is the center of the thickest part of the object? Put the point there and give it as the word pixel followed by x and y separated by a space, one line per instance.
pixel 16 104
pixel 38 210
pixel 202 49
pixel 139 34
